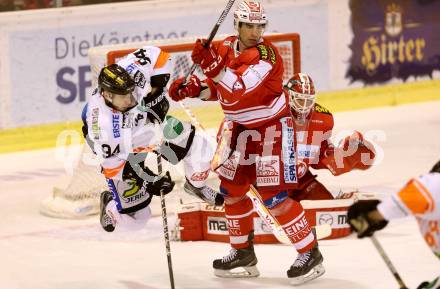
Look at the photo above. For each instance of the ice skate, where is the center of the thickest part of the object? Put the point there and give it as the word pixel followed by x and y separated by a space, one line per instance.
pixel 105 219
pixel 229 266
pixel 307 266
pixel 205 193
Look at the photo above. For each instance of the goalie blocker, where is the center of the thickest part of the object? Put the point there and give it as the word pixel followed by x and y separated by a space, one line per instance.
pixel 200 221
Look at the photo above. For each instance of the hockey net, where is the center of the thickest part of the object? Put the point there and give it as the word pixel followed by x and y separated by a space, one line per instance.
pixel 80 198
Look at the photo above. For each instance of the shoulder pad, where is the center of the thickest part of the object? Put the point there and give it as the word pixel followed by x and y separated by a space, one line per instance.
pixel 267 53
pixel 321 109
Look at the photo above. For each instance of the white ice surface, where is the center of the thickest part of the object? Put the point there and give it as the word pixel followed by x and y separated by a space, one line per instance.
pixel 37 252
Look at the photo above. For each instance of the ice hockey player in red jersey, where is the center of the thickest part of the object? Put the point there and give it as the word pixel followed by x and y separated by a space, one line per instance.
pixel 419 197
pixel 314 125
pixel 256 143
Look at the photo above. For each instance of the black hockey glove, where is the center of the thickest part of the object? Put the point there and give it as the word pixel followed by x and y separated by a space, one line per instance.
pixel 164 184
pixel 157 105
pixel 359 220
pixel 434 284
pixel 135 169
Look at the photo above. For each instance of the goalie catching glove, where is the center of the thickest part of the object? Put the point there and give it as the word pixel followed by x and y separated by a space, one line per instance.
pixel 354 153
pixel 364 218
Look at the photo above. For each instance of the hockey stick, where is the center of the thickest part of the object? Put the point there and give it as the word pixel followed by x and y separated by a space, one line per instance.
pixel 322 231
pixel 165 225
pixel 388 262
pixel 213 33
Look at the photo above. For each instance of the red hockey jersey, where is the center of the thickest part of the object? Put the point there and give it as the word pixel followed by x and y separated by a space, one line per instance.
pixel 313 139
pixel 250 90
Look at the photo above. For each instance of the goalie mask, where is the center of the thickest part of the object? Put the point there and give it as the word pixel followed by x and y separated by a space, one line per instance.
pixel 249 12
pixel 301 92
pixel 115 79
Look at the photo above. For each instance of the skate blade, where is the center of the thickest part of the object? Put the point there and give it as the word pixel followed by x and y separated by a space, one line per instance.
pixel 248 272
pixel 317 271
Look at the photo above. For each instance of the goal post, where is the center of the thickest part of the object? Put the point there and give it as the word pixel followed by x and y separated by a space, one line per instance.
pixel 80 198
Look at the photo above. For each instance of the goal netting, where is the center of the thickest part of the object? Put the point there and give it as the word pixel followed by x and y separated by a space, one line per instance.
pixel 80 197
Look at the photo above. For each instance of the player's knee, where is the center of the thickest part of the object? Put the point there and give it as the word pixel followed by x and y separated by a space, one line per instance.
pixel 233 193
pixel 283 207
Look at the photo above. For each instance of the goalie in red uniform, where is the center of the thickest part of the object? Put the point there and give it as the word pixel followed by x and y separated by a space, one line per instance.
pixel 256 146
pixel 313 126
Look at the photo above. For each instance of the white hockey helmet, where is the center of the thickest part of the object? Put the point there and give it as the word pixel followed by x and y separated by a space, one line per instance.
pixel 301 93
pixel 249 11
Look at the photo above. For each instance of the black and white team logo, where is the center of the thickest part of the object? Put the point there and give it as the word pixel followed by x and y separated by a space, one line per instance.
pixel 139 79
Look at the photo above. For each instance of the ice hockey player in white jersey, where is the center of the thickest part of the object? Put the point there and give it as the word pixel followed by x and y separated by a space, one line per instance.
pixel 419 197
pixel 126 118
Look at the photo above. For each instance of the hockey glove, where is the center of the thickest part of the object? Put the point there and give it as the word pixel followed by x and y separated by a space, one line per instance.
pixel 179 90
pixel 164 184
pixel 435 168
pixel 360 219
pixel 354 152
pixel 207 57
pixel 434 284
pixel 252 56
pixel 135 170
pixel 157 104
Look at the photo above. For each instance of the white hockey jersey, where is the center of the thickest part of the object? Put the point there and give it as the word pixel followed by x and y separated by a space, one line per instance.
pixel 421 198
pixel 117 134
pixel 144 63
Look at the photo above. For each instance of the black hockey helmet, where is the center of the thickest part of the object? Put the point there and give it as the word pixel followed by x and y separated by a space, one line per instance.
pixel 436 168
pixel 115 79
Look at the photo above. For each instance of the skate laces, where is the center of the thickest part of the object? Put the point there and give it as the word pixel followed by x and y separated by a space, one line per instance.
pixel 230 256
pixel 302 259
pixel 209 193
